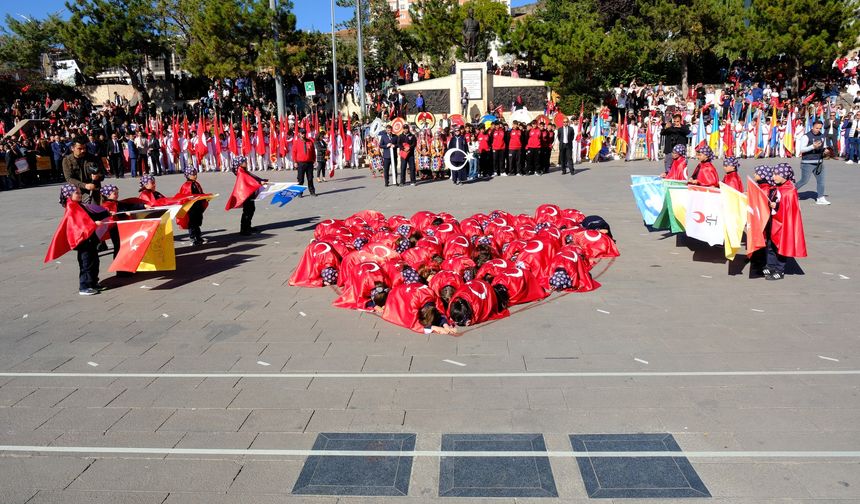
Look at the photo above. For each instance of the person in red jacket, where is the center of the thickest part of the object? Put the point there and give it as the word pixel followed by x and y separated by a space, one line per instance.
pixel 705 173
pixel 499 145
pixel 304 157
pixel 485 157
pixel 533 145
pixel 785 232
pixel 515 150
pixel 731 178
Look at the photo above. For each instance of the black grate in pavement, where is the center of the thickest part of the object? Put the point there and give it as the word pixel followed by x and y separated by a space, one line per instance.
pixel 636 477
pixel 347 475
pixel 495 476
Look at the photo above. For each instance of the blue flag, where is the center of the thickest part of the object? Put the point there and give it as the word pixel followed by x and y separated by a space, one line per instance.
pixel 285 196
pixel 649 193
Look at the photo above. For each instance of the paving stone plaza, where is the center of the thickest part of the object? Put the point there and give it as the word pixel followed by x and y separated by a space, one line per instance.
pixel 219 383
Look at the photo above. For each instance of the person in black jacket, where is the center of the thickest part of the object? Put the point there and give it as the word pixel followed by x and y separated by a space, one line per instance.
pixel 407 143
pixel 673 135
pixel 321 150
pixel 388 145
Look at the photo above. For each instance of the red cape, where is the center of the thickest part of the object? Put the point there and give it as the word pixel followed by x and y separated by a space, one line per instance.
pixel 734 181
pixel 547 213
pixel 536 256
pixel 403 303
pixel 706 175
pixel 185 192
pixel 522 286
pixel 577 268
pixel 417 257
pixel 759 216
pixel 457 245
pixel 318 256
pixel 786 228
pixel 360 280
pixel 493 267
pixel 482 298
pixel 458 264
pixel 245 187
pixel 678 171
pixel 595 244
pixel 75 227
pixel 443 279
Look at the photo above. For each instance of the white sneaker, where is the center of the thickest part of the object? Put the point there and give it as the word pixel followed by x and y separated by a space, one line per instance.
pixel 849 162
pixel 504 174
pixel 822 201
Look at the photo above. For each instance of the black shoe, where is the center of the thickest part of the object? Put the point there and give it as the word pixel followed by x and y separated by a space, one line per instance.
pixel 245 232
pixel 775 276
pixel 102 247
pixel 766 271
pixel 314 194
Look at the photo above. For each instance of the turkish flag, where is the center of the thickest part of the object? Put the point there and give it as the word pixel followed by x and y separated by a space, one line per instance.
pixel 135 237
pixel 245 187
pixel 201 149
pixel 759 214
pixel 75 227
pixel 232 144
pixel 246 138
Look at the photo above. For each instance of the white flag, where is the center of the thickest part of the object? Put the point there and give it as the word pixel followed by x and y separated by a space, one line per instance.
pixel 704 220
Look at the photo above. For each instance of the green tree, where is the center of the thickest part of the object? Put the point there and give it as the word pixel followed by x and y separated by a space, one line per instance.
pixel 104 34
pixel 806 31
pixel 569 41
pixel 435 28
pixel 683 30
pixel 22 43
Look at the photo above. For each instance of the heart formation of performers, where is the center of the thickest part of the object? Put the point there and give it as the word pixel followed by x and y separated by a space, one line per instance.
pixel 433 273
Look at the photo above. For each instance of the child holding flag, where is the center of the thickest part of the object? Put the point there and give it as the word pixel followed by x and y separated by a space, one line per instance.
pixel 147 191
pixel 785 232
pixel 731 178
pixel 195 213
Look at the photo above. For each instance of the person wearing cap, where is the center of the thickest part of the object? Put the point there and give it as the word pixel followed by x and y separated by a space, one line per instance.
pixel 71 199
pixel 304 156
pixel 407 142
pixel 111 203
pixel 147 192
pixel 785 236
pixel 388 143
pixel 678 170
pixel 758 258
pixel 195 213
pixel 82 170
pixel 245 190
pixel 731 178
pixel 705 173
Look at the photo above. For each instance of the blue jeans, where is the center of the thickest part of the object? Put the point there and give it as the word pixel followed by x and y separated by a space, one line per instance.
pixel 806 174
pixel 473 167
pixel 854 149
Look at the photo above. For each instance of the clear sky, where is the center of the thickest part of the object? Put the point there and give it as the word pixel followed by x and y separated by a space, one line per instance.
pixel 311 14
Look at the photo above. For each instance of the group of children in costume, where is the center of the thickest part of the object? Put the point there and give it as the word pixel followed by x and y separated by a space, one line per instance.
pixel 784 231
pixel 78 228
pixel 433 273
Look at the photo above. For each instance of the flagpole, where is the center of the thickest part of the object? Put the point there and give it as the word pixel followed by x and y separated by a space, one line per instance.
pixel 361 83
pixel 279 83
pixel 333 74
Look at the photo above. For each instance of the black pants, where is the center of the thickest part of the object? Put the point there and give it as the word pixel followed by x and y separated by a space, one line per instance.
pixel 248 209
pixel 544 159
pixel 485 164
pixel 460 175
pixel 320 169
pixel 88 263
pixel 306 170
pixel 155 158
pixel 515 161
pixel 195 220
pixel 408 162
pixel 499 162
pixel 116 165
pixel 564 158
pixel 388 164
pixel 532 160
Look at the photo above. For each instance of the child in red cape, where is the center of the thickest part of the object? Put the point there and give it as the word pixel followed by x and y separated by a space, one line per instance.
pixel 678 170
pixel 147 191
pixel 785 237
pixel 705 173
pixel 414 306
pixel 731 178
pixel 194 218
pixel 244 190
pixel 475 302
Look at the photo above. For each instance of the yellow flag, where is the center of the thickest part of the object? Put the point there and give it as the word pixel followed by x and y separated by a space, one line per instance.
pixel 183 210
pixel 735 206
pixel 680 197
pixel 160 256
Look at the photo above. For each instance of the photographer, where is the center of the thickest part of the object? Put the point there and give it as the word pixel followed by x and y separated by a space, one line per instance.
pixel 84 171
pixel 811 148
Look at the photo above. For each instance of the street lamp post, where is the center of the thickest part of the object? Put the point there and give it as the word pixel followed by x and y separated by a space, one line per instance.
pixel 279 83
pixel 361 83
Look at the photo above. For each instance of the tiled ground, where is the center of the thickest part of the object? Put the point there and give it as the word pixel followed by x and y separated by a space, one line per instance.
pixel 228 309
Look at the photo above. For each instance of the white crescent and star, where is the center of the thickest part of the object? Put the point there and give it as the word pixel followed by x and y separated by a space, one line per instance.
pixel 483 288
pixel 592 237
pixel 326 246
pixel 536 250
pixel 142 234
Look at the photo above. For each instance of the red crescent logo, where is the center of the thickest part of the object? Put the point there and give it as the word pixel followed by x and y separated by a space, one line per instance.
pixel 699 217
